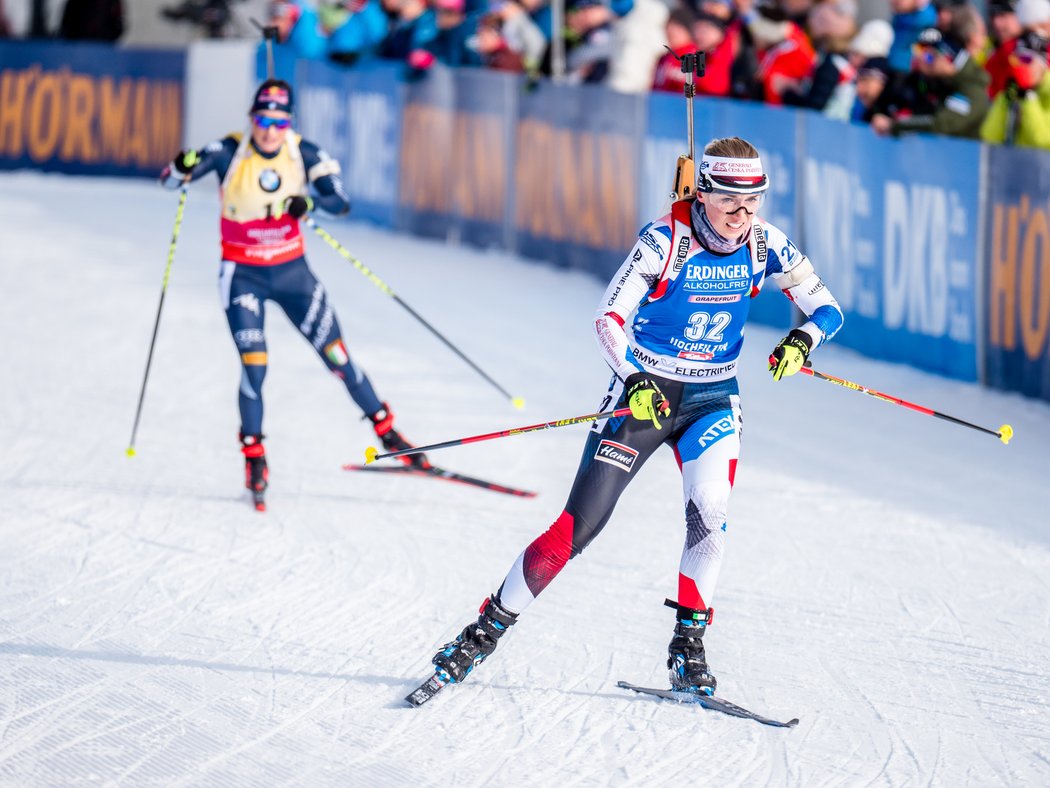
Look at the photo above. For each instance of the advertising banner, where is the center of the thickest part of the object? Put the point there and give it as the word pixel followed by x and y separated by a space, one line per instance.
pixel 891 226
pixel 1017 286
pixel 89 108
pixel 575 176
pixel 355 115
pixel 456 154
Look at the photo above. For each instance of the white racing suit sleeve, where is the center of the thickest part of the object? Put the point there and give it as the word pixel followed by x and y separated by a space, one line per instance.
pixel 793 273
pixel 629 288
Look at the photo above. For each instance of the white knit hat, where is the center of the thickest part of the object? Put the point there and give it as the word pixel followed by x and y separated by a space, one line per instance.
pixel 1033 12
pixel 875 38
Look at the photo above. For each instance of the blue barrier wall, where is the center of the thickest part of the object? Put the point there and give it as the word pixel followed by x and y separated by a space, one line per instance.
pixel 355 116
pixel 89 108
pixel 576 175
pixel 1017 274
pixel 893 227
pixel 457 152
pixel 936 261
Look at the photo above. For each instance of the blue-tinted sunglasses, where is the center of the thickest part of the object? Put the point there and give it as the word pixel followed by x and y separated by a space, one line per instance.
pixel 263 122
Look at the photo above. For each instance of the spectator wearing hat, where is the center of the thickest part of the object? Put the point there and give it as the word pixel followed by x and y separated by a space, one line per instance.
pixel 1002 19
pixel 873 76
pixel 949 91
pixel 668 76
pixel 873 40
pixel 1011 19
pixel 1020 113
pixel 910 17
pixel 830 89
pixel 1006 29
pixel 1034 16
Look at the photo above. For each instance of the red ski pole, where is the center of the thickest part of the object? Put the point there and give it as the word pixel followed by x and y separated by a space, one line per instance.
pixel 372 453
pixel 1004 433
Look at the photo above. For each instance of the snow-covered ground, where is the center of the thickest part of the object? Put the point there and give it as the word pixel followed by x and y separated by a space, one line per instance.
pixel 886 579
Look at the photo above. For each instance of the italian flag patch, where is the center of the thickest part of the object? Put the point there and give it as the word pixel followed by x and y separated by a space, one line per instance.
pixel 336 353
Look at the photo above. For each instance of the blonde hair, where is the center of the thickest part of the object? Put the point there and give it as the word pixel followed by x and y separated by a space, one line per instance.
pixel 731 148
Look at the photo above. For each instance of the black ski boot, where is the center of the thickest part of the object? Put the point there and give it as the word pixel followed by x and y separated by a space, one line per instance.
pixel 475 642
pixel 256 474
pixel 383 423
pixel 686 660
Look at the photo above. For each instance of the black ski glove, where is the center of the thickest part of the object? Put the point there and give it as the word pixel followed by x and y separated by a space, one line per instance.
pixel 298 206
pixel 185 161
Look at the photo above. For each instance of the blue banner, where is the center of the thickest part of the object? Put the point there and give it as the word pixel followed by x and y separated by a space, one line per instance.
pixel 771 130
pixel 575 181
pixel 89 108
pixel 1017 284
pixel 891 226
pixel 355 115
pixel 456 151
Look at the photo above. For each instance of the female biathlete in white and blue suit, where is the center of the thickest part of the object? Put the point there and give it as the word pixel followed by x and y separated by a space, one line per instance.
pixel 671 325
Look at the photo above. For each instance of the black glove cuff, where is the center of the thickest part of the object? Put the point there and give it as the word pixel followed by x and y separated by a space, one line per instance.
pixel 298 206
pixel 634 379
pixel 180 163
pixel 801 340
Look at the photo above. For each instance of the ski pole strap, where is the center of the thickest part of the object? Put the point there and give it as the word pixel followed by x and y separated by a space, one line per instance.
pixel 372 454
pixel 1004 433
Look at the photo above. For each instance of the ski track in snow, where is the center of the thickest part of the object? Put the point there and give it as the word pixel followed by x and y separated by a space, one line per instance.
pixel 885 578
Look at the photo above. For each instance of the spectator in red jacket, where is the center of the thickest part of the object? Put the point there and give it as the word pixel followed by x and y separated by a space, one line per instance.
pixel 786 55
pixel 1010 19
pixel 679 30
pixel 721 41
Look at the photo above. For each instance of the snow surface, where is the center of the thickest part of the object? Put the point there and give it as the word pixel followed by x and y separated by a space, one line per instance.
pixel 885 580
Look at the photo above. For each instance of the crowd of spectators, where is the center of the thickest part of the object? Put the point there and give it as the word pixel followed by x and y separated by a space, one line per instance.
pixel 942 67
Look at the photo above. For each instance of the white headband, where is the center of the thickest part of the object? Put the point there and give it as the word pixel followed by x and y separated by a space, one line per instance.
pixel 732 175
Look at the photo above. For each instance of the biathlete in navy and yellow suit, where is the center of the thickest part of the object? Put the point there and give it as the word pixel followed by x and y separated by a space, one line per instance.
pixel 269 180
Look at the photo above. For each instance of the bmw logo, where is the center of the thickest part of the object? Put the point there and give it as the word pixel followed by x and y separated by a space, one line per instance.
pixel 269 180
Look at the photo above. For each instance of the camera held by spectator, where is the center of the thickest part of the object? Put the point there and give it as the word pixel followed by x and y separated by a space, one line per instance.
pixel 1027 64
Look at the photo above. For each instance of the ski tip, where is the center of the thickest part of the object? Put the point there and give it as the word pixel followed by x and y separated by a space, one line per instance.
pixel 130 451
pixel 1005 433
pixel 791 723
pixel 370 454
pixel 518 402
